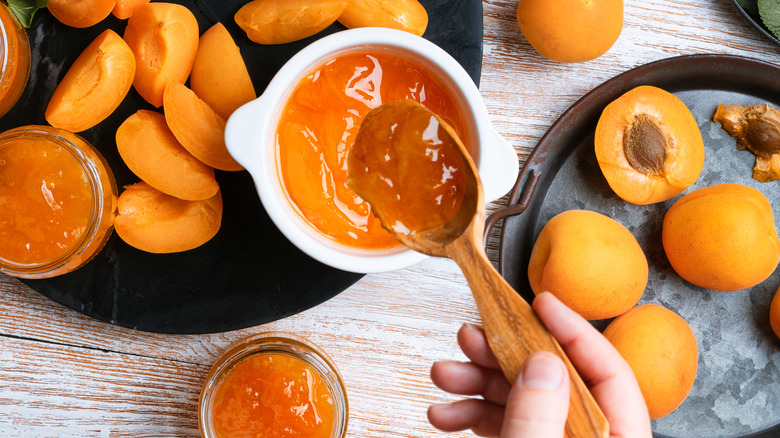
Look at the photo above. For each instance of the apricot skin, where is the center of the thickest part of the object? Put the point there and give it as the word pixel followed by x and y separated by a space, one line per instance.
pixel 197 127
pixel 80 13
pixel 590 262
pixel 774 313
pixel 570 30
pixel 164 39
pixel 684 158
pixel 94 86
pixel 219 75
pixel 284 21
pixel 662 351
pixel 722 237
pixel 152 221
pixel 151 151
pixel 407 15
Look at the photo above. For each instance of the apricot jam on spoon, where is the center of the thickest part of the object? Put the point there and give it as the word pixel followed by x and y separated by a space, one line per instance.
pixel 413 170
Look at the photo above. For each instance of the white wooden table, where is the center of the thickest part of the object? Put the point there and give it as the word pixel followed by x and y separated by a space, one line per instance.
pixel 64 374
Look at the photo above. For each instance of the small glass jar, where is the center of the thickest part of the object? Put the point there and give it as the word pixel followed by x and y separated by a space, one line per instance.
pixel 270 345
pixel 14 59
pixel 57 202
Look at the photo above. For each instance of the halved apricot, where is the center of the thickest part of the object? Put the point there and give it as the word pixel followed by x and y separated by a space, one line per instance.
pixel 80 13
pixel 219 75
pixel 124 8
pixel 197 127
pixel 285 21
pixel 648 145
pixel 150 220
pixel 164 39
pixel 94 86
pixel 408 15
pixel 151 151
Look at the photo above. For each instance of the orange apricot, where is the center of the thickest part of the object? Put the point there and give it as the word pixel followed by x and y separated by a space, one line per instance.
pixel 150 220
pixel 662 351
pixel 94 86
pixel 722 237
pixel 219 75
pixel 408 15
pixel 124 8
pixel 285 21
pixel 648 145
pixel 774 313
pixel 151 151
pixel 571 30
pixel 164 39
pixel 80 13
pixel 590 262
pixel 197 127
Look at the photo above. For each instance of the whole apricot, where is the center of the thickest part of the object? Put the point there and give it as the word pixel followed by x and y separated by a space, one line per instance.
pixel 661 349
pixel 590 262
pixel 648 145
pixel 722 237
pixel 571 30
pixel 774 313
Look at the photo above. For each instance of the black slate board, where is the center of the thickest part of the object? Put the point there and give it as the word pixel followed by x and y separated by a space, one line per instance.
pixel 737 387
pixel 249 274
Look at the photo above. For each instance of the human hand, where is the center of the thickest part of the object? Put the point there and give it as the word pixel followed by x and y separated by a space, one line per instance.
pixel 538 403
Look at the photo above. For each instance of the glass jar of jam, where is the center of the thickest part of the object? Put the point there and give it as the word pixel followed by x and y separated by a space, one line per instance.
pixel 273 384
pixel 14 59
pixel 57 202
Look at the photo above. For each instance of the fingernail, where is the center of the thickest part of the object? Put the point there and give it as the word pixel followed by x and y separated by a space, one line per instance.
pixel 470 326
pixel 542 371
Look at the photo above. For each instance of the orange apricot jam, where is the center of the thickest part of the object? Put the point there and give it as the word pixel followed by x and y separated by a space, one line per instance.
pixel 273 386
pixel 57 198
pixel 319 123
pixel 408 167
pixel 14 59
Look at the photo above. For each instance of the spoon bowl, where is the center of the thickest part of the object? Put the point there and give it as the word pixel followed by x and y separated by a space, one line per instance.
pixel 420 181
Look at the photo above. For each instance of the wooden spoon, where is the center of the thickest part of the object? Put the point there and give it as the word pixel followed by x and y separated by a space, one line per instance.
pixel 421 183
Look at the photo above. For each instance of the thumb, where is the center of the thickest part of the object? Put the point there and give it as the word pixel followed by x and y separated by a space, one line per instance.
pixel 539 401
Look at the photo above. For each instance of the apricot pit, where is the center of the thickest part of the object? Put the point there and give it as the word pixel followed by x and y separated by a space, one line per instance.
pixel 757 129
pixel 648 145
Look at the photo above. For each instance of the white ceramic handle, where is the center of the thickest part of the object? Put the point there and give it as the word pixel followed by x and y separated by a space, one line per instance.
pixel 498 165
pixel 244 132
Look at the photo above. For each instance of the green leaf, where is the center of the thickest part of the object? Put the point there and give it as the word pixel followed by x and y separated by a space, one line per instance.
pixel 24 10
pixel 769 10
pixel 751 6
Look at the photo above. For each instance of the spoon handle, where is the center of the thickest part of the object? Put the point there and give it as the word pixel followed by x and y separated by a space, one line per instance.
pixel 514 331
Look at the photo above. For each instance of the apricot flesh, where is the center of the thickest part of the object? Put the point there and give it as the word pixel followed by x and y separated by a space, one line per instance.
pixel 197 127
pixel 94 86
pixel 80 13
pixel 571 30
pixel 757 129
pixel 219 75
pixel 722 237
pixel 648 145
pixel 284 21
pixel 124 8
pixel 662 351
pixel 150 220
pixel 407 15
pixel 151 151
pixel 590 262
pixel 164 39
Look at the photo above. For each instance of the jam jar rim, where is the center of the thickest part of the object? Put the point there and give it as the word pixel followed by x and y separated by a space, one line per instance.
pixel 85 162
pixel 275 342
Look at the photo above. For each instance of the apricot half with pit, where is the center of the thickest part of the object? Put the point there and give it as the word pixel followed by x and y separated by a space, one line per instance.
pixel 590 262
pixel 661 349
pixel 722 237
pixel 648 145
